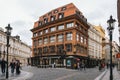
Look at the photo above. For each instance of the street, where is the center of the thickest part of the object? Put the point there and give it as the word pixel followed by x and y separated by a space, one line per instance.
pixel 62 73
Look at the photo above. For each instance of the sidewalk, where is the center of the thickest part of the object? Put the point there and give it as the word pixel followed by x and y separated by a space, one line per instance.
pixel 23 76
pixel 106 74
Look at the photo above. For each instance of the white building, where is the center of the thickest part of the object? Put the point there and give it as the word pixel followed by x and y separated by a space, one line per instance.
pixel 17 49
pixel 115 50
pixel 94 43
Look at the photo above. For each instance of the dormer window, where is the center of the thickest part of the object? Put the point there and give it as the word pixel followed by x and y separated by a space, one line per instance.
pixel 61 15
pixel 40 23
pixel 45 20
pixel 56 11
pixel 64 8
pixel 52 18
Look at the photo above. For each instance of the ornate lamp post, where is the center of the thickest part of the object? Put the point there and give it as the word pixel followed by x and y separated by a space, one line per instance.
pixel 8 33
pixel 110 29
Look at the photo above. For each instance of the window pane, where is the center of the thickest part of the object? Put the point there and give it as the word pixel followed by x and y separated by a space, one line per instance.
pixel 45 40
pixel 69 25
pixel 40 41
pixel 52 29
pixel 60 38
pixel 46 31
pixel 52 39
pixel 69 36
pixel 60 27
pixel 69 47
pixel 77 36
pixel 81 39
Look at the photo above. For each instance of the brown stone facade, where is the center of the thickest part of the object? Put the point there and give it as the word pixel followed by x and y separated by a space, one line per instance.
pixel 61 37
pixel 118 11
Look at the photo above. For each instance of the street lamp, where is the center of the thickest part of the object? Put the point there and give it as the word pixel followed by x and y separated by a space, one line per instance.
pixel 8 33
pixel 110 29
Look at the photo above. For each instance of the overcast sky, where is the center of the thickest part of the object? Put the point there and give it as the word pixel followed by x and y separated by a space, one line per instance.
pixel 22 14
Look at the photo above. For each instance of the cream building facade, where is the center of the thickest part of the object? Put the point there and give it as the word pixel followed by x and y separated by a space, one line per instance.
pixel 102 33
pixel 94 43
pixel 17 49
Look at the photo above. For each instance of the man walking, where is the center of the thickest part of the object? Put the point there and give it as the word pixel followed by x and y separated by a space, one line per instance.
pixel 3 65
pixel 12 65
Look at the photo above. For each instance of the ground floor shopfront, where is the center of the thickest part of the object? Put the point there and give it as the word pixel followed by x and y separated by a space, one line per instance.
pixel 62 61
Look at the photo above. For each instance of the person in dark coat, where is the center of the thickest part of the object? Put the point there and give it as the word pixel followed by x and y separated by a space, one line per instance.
pixel 17 67
pixel 3 65
pixel 12 65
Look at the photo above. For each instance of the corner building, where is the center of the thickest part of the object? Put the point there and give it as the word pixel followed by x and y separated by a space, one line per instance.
pixel 61 37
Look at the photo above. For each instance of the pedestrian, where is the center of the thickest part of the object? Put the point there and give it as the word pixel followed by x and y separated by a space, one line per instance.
pixel 78 65
pixel 83 65
pixel 3 65
pixel 54 65
pixel 12 65
pixel 100 66
pixel 17 67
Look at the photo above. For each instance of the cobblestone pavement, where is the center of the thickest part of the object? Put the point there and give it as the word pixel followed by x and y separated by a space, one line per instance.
pixel 62 73
pixel 23 75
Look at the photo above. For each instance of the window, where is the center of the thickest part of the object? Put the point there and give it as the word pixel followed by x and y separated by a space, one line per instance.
pixel 40 33
pixel 52 39
pixel 40 52
pixel 69 36
pixel 85 41
pixel 46 31
pixel 35 34
pixel 81 39
pixel 40 41
pixel 77 37
pixel 64 8
pixel 45 40
pixel 60 27
pixel 52 18
pixel 45 49
pixel 45 20
pixel 60 49
pixel 61 15
pixel 52 29
pixel 68 47
pixel 68 25
pixel 35 51
pixel 40 23
pixel 60 37
pixel 76 25
pixel 35 43
pixel 52 49
pixel 56 11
